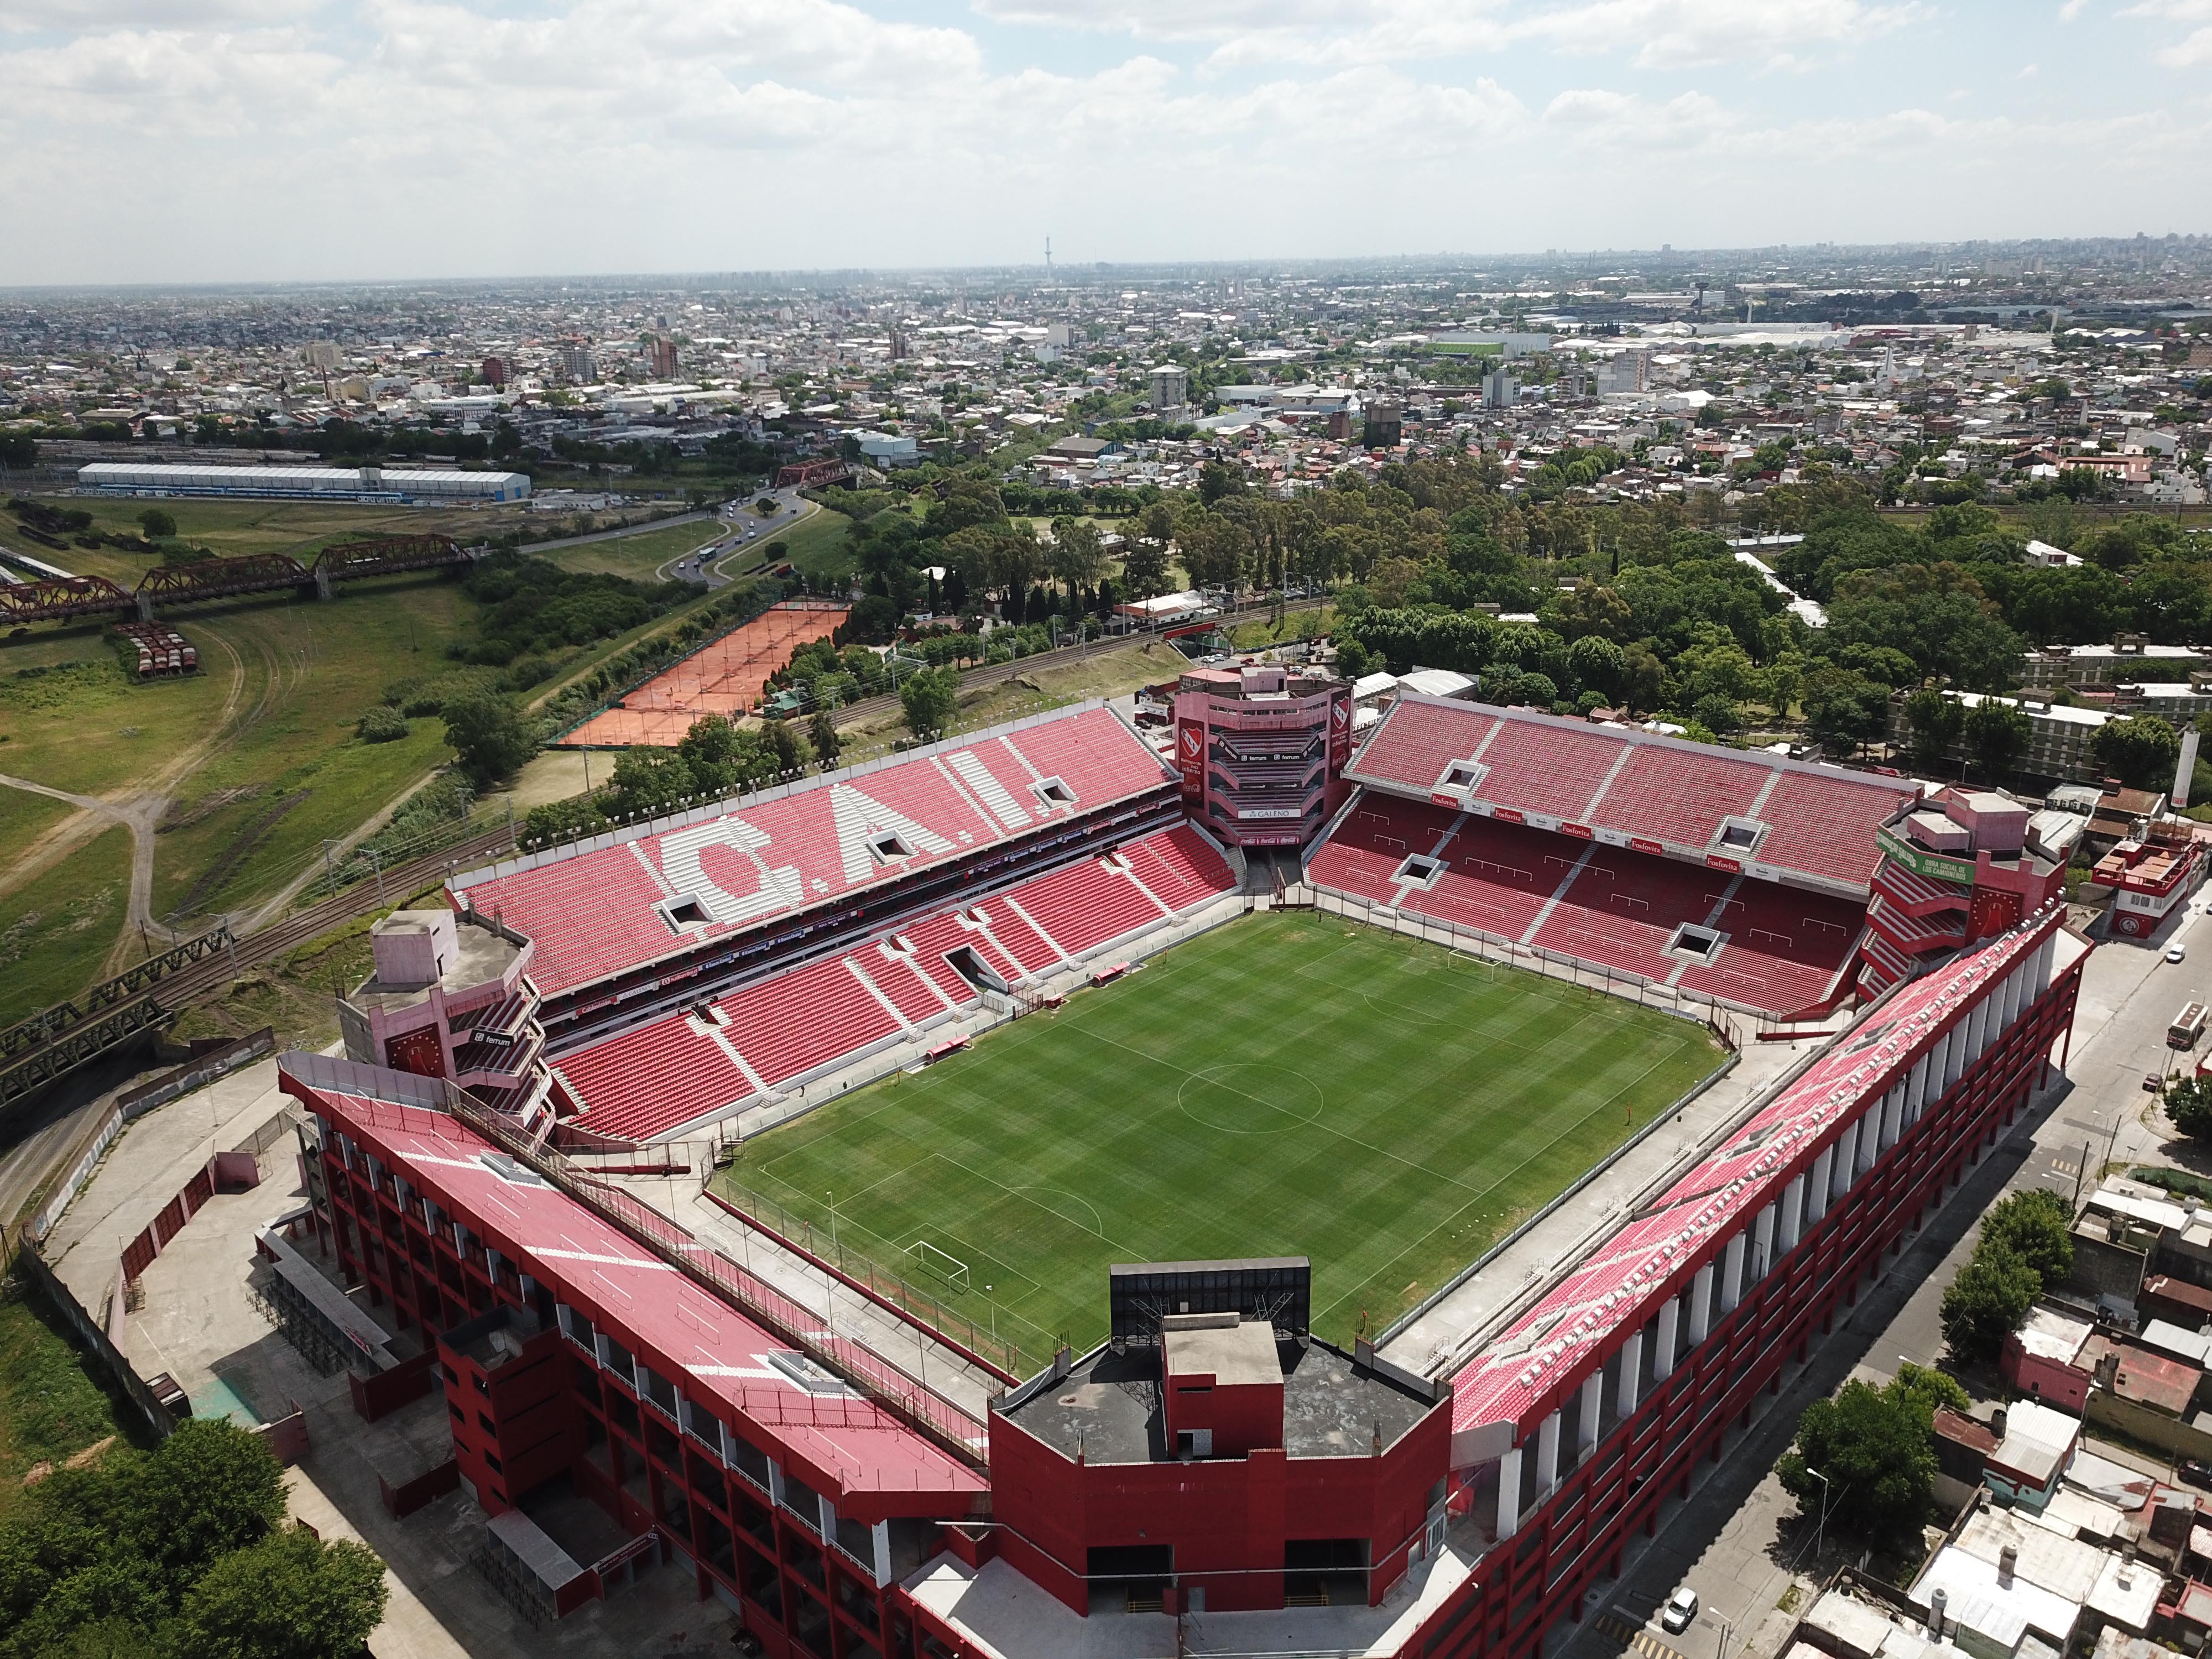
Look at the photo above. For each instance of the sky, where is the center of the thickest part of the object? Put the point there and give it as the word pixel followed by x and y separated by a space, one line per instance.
pixel 176 141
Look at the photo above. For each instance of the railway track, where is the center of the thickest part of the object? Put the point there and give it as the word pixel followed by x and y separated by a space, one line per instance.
pixel 258 949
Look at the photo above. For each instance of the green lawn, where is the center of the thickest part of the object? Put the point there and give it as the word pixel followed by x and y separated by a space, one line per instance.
pixel 638 556
pixel 1289 1085
pixel 56 931
pixel 816 544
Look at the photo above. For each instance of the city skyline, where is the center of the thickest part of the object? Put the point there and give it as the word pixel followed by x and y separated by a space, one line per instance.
pixel 288 140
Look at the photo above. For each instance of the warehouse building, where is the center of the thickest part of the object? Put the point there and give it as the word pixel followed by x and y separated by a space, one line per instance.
pixel 410 487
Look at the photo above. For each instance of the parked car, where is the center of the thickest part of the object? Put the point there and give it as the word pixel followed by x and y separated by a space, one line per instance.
pixel 2177 953
pixel 1681 1607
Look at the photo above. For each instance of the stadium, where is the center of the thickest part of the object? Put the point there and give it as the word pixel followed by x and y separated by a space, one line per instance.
pixel 1118 1224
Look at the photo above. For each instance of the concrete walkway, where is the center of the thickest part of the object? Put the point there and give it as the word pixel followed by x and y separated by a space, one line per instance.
pixel 941 1369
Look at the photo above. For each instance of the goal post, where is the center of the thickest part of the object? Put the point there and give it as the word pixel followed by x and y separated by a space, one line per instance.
pixel 940 1265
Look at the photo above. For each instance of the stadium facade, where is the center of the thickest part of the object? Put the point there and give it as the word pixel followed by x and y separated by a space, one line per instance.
pixel 399 486
pixel 1213 1459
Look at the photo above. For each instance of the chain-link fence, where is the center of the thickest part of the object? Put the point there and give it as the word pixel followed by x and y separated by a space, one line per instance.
pixel 870 1276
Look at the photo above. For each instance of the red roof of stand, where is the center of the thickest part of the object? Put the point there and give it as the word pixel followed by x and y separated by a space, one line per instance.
pixel 1816 824
pixel 592 909
pixel 871 1463
pixel 1612 1289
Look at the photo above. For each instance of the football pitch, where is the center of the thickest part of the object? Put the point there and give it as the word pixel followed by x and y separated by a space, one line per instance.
pixel 1286 1084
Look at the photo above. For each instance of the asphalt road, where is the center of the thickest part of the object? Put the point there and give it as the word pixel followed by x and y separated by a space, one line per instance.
pixel 1739 1541
pixel 744 541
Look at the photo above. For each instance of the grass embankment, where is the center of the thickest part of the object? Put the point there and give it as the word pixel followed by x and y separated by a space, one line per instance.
pixel 50 1409
pixel 1285 1085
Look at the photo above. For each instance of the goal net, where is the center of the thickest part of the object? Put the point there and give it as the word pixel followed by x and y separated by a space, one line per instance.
pixel 946 1268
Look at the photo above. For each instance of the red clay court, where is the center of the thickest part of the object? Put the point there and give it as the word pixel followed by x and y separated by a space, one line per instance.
pixel 723 677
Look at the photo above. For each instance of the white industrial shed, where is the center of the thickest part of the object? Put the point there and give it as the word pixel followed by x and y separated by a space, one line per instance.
pixel 425 486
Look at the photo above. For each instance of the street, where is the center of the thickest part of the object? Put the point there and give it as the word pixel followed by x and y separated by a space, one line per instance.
pixel 1736 1541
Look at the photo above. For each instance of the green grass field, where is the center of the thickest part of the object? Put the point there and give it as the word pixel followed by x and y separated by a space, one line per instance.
pixel 640 556
pixel 1288 1085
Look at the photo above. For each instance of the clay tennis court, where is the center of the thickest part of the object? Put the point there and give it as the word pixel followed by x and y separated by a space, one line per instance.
pixel 723 677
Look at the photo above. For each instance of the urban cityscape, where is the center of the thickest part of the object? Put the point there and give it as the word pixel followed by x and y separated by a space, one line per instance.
pixel 878 943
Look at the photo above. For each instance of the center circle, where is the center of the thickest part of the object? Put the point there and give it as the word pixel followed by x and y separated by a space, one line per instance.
pixel 1249 1097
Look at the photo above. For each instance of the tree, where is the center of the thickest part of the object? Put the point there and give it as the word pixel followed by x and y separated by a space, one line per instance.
pixel 1935 721
pixel 1997 735
pixel 2188 1104
pixel 931 699
pixel 1866 1460
pixel 490 735
pixel 289 1597
pixel 2141 752
pixel 382 724
pixel 1987 1302
pixel 101 1559
pixel 1076 558
pixel 158 525
pixel 822 733
pixel 1219 478
pixel 2036 1226
pixel 1844 708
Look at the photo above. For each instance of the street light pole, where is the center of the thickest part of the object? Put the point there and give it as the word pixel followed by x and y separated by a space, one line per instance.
pixel 1820 1525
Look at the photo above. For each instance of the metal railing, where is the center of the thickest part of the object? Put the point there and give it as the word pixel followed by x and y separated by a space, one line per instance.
pixel 1715 1013
pixel 905 1397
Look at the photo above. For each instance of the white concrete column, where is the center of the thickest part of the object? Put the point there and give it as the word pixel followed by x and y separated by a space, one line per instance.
pixel 1954 1055
pixel 1732 1273
pixel 1547 1453
pixel 1701 1304
pixel 1980 1026
pixel 1632 1370
pixel 1893 1117
pixel 2016 995
pixel 2046 956
pixel 1662 1358
pixel 1593 1404
pixel 1870 1121
pixel 1763 1242
pixel 880 1536
pixel 1916 1091
pixel 1793 1213
pixel 1819 1190
pixel 1847 1152
pixel 1509 1494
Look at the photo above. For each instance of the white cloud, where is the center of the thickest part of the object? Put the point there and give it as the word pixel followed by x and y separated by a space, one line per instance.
pixel 1603 120
pixel 403 138
pixel 72 17
pixel 1656 33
